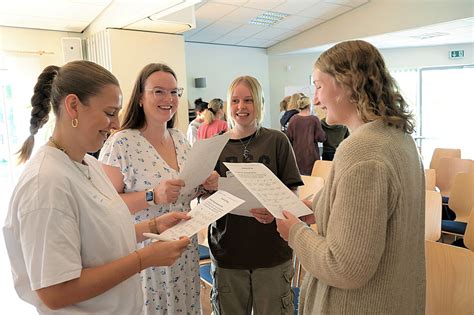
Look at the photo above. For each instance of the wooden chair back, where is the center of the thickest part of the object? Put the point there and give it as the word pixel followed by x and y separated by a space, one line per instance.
pixel 439 153
pixel 461 197
pixel 447 170
pixel 322 168
pixel 449 279
pixel 430 179
pixel 312 184
pixel 469 234
pixel 433 208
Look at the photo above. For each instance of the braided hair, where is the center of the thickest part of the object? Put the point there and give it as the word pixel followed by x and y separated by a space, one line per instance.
pixel 82 78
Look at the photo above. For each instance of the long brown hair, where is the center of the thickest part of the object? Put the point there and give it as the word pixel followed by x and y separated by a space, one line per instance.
pixel 83 78
pixel 360 68
pixel 134 117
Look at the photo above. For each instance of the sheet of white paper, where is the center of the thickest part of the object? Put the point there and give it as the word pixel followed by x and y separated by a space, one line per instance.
pixel 268 189
pixel 234 186
pixel 208 211
pixel 201 161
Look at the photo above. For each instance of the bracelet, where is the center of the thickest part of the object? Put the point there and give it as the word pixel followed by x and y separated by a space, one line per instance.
pixel 139 261
pixel 152 226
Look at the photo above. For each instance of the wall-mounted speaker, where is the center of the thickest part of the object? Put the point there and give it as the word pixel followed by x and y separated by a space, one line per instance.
pixel 72 48
pixel 200 83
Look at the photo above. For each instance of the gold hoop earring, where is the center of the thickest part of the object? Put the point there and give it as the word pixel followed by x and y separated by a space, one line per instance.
pixel 74 123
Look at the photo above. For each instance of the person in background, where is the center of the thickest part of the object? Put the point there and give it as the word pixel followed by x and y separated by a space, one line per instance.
pixel 367 256
pixel 283 108
pixel 251 265
pixel 71 243
pixel 213 123
pixel 335 134
pixel 304 132
pixel 199 107
pixel 292 109
pixel 143 161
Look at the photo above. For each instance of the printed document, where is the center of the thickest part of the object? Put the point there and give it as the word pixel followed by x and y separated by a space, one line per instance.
pixel 232 185
pixel 201 161
pixel 268 189
pixel 205 213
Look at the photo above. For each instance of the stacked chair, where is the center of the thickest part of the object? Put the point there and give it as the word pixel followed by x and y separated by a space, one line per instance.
pixel 450 275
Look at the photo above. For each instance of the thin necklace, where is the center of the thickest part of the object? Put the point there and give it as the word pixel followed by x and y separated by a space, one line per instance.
pixel 87 176
pixel 246 151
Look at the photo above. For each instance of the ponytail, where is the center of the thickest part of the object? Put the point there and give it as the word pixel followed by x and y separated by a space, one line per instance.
pixel 41 106
pixel 212 108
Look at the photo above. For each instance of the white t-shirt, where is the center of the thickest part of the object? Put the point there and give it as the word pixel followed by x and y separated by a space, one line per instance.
pixel 191 134
pixel 58 223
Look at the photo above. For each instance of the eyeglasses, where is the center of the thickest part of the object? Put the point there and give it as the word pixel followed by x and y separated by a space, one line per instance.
pixel 160 93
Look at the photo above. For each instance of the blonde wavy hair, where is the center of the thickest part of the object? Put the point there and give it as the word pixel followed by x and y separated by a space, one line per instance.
pixel 293 102
pixel 359 67
pixel 303 103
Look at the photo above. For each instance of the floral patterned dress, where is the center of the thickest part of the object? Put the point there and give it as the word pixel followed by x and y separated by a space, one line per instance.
pixel 167 290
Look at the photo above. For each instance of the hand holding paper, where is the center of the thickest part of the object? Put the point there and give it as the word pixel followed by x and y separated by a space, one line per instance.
pixel 268 189
pixel 210 210
pixel 234 186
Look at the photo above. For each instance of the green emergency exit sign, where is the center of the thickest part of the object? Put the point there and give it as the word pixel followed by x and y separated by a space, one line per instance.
pixel 456 54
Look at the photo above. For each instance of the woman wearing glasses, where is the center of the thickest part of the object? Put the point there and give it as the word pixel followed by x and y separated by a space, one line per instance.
pixel 143 160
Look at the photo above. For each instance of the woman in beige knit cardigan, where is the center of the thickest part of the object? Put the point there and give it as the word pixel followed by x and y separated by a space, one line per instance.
pixel 368 254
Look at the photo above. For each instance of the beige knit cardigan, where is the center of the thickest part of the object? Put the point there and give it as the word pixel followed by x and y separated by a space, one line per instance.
pixel 368 254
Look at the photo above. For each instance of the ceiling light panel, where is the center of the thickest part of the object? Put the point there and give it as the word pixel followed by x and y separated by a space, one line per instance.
pixel 268 18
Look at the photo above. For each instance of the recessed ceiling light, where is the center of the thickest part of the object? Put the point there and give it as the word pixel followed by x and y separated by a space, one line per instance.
pixel 268 18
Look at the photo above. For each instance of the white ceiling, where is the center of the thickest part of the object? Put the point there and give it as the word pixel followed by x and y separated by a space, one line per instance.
pixel 216 21
pixel 226 21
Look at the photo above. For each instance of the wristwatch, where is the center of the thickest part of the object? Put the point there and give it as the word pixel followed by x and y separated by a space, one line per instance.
pixel 150 197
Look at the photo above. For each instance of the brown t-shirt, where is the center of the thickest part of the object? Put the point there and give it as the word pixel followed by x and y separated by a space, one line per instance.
pixel 239 242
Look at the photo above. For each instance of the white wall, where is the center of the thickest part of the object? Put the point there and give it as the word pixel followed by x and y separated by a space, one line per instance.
pixel 222 64
pixel 19 42
pixel 301 67
pixel 132 50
